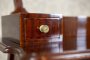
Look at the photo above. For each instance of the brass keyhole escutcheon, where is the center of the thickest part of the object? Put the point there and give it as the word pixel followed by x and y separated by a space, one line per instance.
pixel 44 28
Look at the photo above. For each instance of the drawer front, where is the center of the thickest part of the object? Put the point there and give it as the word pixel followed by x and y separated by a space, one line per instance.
pixel 33 26
pixel 38 41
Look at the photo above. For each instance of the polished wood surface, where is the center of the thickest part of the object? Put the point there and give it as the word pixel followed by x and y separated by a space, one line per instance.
pixel 67 55
pixel 65 33
pixel 18 6
pixel 69 33
pixel 73 31
pixel 38 41
pixel 76 33
pixel 88 33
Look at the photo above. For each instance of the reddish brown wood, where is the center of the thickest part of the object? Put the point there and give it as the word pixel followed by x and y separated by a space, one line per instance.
pixel 74 30
pixel 19 7
pixel 88 33
pixel 36 40
pixel 69 33
pixel 76 33
pixel 67 55
pixel 40 40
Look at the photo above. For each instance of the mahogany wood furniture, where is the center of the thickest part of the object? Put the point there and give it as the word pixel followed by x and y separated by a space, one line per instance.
pixel 67 55
pixel 71 32
pixel 45 36
pixel 76 32
pixel 26 28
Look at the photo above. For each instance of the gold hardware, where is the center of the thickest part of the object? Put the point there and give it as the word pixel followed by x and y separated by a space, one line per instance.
pixel 44 28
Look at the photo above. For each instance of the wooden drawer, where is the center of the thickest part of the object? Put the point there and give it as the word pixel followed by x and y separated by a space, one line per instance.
pixel 34 38
pixel 32 27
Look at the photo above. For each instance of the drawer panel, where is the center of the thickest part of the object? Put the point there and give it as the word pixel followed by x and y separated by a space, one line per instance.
pixel 32 27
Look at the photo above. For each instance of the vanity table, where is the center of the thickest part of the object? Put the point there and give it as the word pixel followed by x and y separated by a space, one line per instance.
pixel 41 34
